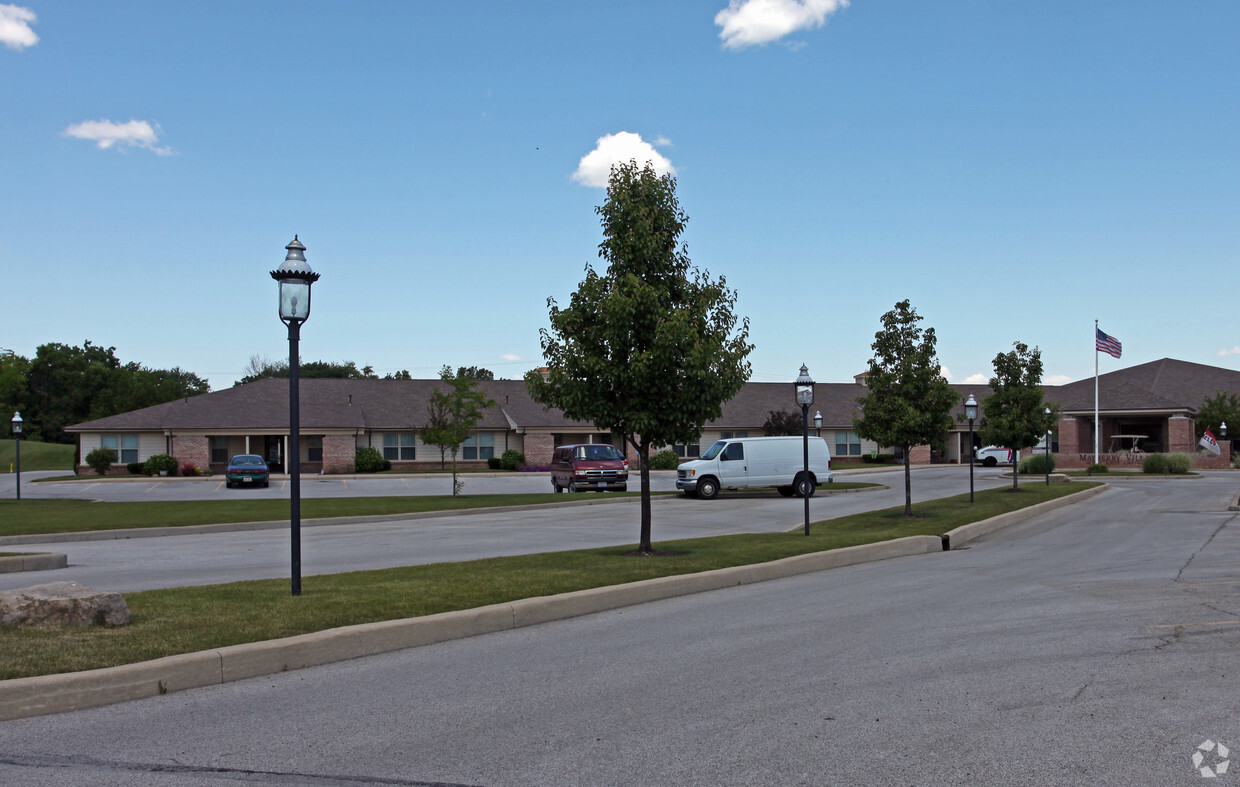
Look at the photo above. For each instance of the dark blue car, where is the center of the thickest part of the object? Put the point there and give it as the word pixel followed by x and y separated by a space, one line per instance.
pixel 246 470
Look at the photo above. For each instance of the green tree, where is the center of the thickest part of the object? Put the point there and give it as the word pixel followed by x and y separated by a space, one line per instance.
pixel 13 371
pixel 782 423
pixel 907 401
pixel 260 368
pixel 650 349
pixel 475 373
pixel 63 384
pixel 452 414
pixel 1014 415
pixel 1222 408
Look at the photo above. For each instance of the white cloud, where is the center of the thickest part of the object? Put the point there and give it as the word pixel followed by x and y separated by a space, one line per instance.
pixel 661 142
pixel 1058 379
pixel 105 134
pixel 757 22
pixel 1232 351
pixel 595 167
pixel 15 22
pixel 976 379
pixel 947 373
pixel 511 357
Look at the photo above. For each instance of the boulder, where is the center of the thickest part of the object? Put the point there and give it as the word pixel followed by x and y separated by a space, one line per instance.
pixel 62 603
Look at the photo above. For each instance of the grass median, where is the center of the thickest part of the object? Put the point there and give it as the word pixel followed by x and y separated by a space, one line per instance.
pixel 184 620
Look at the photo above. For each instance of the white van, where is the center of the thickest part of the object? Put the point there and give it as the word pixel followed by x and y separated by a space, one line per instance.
pixel 744 462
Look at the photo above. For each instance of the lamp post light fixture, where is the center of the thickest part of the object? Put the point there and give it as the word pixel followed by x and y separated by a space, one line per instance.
pixel 1046 458
pixel 1222 431
pixel 805 397
pixel 818 422
pixel 295 278
pixel 970 413
pixel 17 437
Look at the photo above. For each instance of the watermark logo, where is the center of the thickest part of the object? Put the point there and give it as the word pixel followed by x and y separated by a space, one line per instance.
pixel 1210 759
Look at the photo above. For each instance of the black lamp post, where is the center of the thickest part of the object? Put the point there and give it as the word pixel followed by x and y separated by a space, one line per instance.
pixel 818 422
pixel 1222 431
pixel 17 437
pixel 1046 458
pixel 295 278
pixel 805 397
pixel 970 413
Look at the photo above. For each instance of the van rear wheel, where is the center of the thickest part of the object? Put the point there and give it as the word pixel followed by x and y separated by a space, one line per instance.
pixel 784 491
pixel 803 485
pixel 708 488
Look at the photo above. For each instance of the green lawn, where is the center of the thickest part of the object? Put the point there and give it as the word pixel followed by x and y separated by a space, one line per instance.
pixel 36 455
pixel 184 620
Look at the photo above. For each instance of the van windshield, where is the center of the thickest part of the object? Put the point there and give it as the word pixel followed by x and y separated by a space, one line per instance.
pixel 598 453
pixel 714 450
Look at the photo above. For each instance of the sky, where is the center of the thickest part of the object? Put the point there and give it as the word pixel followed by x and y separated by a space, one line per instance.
pixel 1015 170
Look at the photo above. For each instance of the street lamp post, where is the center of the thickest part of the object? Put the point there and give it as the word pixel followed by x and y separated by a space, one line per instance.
pixel 970 413
pixel 1222 431
pixel 818 423
pixel 805 397
pixel 17 437
pixel 295 278
pixel 1046 457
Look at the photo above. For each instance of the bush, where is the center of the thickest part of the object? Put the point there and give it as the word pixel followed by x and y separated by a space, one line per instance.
pixel 665 460
pixel 1036 464
pixel 369 460
pixel 189 470
pixel 876 459
pixel 1097 468
pixel 101 459
pixel 136 468
pixel 1179 463
pixel 1155 464
pixel 512 459
pixel 160 463
pixel 493 463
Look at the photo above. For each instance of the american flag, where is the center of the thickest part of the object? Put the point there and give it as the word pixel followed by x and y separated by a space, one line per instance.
pixel 1108 344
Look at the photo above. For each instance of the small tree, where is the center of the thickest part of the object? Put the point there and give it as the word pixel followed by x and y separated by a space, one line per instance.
pixel 1014 415
pixel 453 415
pixel 907 401
pixel 648 349
pixel 1222 408
pixel 101 459
pixel 782 423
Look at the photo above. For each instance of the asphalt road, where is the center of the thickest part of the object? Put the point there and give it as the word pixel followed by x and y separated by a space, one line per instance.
pixel 1097 644
pixel 583 521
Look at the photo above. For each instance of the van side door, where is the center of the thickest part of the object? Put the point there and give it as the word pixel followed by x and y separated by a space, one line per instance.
pixel 733 470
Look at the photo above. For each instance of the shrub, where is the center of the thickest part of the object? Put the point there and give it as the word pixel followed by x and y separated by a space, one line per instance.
pixel 160 463
pixel 189 470
pixel 101 459
pixel 136 468
pixel 493 463
pixel 512 459
pixel 1036 464
pixel 1097 468
pixel 665 460
pixel 877 459
pixel 1179 463
pixel 369 460
pixel 1154 464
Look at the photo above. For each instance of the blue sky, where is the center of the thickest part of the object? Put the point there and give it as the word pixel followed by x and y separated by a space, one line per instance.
pixel 1016 170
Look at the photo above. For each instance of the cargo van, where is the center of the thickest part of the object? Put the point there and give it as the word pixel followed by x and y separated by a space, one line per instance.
pixel 746 462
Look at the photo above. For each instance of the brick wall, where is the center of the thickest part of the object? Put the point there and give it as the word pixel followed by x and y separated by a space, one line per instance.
pixel 919 455
pixel 1204 460
pixel 339 451
pixel 1181 435
pixel 192 448
pixel 538 448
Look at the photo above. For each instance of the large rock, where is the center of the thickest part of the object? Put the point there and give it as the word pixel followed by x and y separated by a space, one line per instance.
pixel 62 603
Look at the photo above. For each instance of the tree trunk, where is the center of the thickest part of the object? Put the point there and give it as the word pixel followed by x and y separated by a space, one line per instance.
pixel 1015 469
pixel 908 484
pixel 643 458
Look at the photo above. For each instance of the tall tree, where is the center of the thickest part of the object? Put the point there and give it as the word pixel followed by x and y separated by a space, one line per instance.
pixel 782 423
pixel 650 349
pixel 907 401
pixel 1222 408
pixel 1014 416
pixel 475 373
pixel 453 414
pixel 13 371
pixel 62 385
pixel 261 367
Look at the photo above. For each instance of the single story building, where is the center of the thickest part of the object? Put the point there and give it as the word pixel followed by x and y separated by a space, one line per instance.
pixel 338 416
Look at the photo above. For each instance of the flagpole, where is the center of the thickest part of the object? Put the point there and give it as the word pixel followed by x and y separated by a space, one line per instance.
pixel 1096 426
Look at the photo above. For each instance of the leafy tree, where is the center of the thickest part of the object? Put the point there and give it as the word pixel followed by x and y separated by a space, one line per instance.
pixel 1222 408
pixel 907 401
pixel 1015 414
pixel 475 373
pixel 62 385
pixel 403 374
pixel 782 423
pixel 453 413
pixel 648 350
pixel 261 368
pixel 13 371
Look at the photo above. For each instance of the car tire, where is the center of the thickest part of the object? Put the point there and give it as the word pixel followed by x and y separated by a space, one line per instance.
pixel 990 461
pixel 622 488
pixel 803 485
pixel 784 491
pixel 573 488
pixel 228 484
pixel 558 489
pixel 708 488
pixel 265 483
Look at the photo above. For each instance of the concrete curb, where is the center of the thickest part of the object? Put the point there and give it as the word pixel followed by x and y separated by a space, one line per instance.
pixel 35 561
pixel 966 533
pixel 24 697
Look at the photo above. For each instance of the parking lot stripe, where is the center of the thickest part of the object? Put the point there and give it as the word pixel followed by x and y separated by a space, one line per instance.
pixel 1201 623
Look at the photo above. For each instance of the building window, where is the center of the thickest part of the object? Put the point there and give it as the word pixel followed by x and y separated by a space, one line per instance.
pixel 847 444
pixel 480 445
pixel 397 446
pixel 125 446
pixel 732 435
pixel 314 448
pixel 219 450
pixel 687 450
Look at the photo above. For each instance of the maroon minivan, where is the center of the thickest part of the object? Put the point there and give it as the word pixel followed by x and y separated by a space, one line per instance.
pixel 596 466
